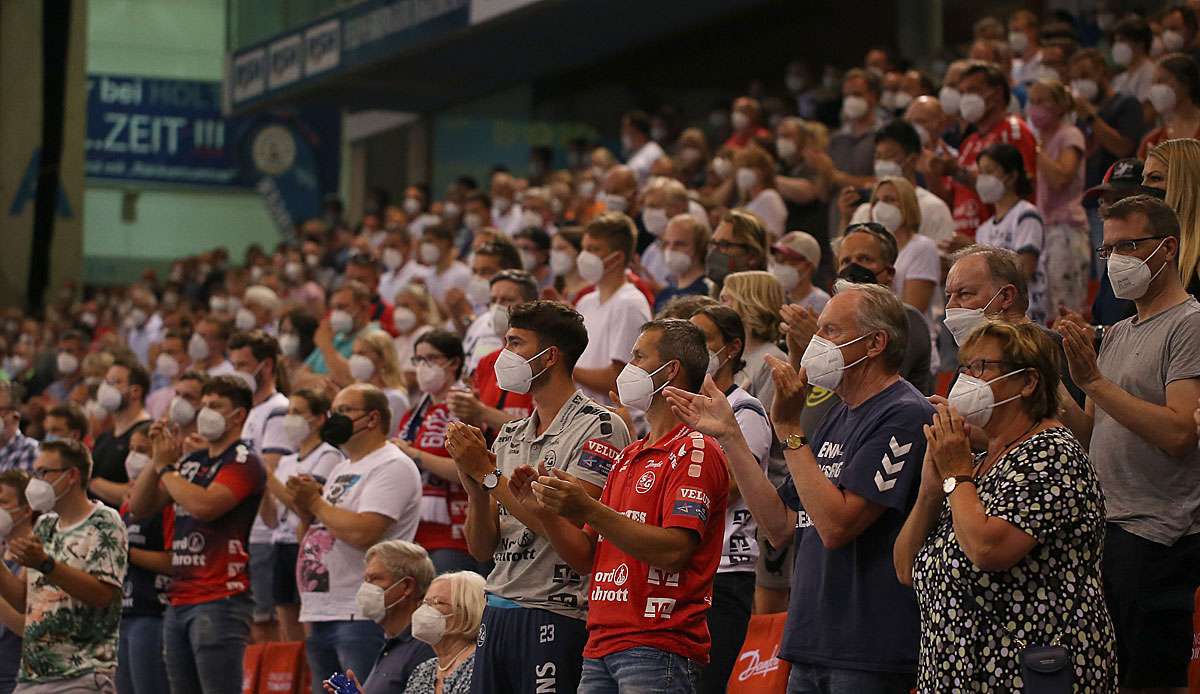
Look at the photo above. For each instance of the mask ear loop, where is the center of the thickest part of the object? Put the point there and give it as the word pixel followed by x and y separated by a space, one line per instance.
pixel 1147 260
pixel 544 369
pixel 847 344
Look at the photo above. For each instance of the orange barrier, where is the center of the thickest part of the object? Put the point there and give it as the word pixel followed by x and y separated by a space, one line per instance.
pixel 1194 666
pixel 281 668
pixel 758 668
pixel 251 662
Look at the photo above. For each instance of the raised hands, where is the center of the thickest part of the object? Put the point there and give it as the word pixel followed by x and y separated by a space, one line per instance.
pixel 708 411
pixel 799 325
pixel 469 449
pixel 791 389
pixel 561 493
pixel 165 448
pixel 1081 355
pixel 948 443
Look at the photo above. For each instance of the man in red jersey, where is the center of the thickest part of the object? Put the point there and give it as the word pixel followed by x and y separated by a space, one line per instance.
pixel 984 104
pixel 653 540
pixel 216 492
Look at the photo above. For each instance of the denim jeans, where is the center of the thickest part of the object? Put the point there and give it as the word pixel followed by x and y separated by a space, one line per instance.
pixel 818 679
pixel 140 668
pixel 339 646
pixel 640 670
pixel 204 644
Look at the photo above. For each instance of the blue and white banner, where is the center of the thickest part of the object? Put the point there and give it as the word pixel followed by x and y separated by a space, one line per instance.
pixel 171 132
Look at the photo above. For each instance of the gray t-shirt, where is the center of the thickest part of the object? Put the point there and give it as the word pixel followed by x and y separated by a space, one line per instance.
pixel 1148 492
pixel 584 440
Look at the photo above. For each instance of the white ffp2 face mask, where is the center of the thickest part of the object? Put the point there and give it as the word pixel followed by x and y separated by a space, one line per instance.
pixel 1130 276
pixel 361 367
pixel 372 601
pixel 961 321
pixel 515 374
pixel 973 400
pixel 635 387
pixel 210 424
pixel 823 362
pixel 428 625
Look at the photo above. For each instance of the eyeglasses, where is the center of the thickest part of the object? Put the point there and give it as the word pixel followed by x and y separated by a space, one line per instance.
pixel 977 367
pixel 422 361
pixel 41 474
pixel 1123 247
pixel 435 603
pixel 345 409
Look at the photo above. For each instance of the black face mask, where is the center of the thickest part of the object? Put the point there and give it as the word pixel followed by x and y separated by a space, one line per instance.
pixel 338 429
pixel 857 274
pixel 718 265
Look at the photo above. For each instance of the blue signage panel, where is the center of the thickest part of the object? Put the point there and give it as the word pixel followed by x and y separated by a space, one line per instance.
pixel 358 35
pixel 171 132
pixel 165 131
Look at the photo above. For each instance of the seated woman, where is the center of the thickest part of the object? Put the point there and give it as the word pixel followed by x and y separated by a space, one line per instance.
pixel 1003 548
pixel 448 620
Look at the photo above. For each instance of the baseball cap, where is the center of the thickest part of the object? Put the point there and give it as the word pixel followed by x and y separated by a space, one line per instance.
pixel 1124 177
pixel 799 244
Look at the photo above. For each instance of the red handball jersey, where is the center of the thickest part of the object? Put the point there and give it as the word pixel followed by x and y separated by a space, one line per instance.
pixel 443 504
pixel 968 210
pixel 678 482
pixel 210 557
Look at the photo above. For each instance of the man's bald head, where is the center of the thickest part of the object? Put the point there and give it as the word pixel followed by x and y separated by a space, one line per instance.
pixel 621 180
pixel 926 111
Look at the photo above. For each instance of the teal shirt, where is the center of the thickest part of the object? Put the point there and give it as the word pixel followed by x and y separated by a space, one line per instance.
pixel 343 343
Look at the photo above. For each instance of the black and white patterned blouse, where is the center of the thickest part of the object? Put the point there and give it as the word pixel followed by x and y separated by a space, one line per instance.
pixel 971 620
pixel 424 678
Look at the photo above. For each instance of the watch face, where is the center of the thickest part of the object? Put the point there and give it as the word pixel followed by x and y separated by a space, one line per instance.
pixel 490 480
pixel 949 484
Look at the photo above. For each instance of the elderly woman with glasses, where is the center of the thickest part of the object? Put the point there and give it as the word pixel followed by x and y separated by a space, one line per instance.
pixel 448 620
pixel 1003 547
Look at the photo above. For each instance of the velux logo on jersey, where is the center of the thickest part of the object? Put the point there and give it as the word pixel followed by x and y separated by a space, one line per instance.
pixel 659 608
pixel 892 465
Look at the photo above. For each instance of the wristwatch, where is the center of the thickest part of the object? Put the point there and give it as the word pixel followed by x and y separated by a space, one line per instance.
pixel 951 483
pixel 795 441
pixel 491 480
pixel 47 566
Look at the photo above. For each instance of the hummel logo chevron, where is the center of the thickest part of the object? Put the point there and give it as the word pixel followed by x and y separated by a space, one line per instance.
pixel 888 467
pixel 897 449
pixel 883 484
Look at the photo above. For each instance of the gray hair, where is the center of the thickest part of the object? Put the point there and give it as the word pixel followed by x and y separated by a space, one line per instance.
pixel 263 296
pixel 404 559
pixel 880 310
pixel 1005 268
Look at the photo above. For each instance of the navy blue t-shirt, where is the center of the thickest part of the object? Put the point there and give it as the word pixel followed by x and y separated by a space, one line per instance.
pixel 847 608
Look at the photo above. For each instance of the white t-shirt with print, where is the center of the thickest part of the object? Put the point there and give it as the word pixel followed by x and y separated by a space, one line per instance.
pixel 741 548
pixel 612 327
pixel 1021 230
pixel 319 462
pixel 263 433
pixel 328 570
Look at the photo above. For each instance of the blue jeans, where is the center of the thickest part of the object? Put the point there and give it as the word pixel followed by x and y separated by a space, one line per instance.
pixel 339 646
pixel 818 679
pixel 640 670
pixel 204 645
pixel 140 668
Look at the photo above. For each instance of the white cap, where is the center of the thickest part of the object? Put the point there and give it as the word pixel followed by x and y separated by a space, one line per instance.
pixel 800 243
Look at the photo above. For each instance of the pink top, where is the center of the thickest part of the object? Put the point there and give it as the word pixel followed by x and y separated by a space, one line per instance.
pixel 1063 205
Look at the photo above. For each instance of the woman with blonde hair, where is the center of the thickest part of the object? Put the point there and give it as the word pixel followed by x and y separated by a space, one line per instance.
pixel 1060 175
pixel 754 176
pixel 757 297
pixel 448 620
pixel 918 265
pixel 374 361
pixel 1174 167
